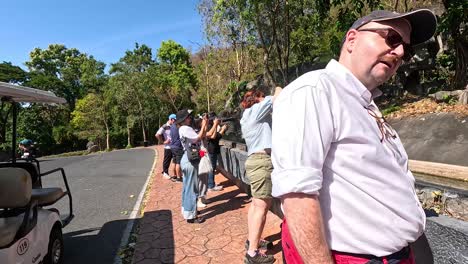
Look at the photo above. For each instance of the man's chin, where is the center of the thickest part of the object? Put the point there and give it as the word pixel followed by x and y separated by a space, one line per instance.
pixel 382 76
pixel 375 82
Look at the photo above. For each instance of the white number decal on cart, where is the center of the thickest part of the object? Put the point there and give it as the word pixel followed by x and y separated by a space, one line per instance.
pixel 23 246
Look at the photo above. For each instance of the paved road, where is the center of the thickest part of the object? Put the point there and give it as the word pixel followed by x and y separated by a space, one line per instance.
pixel 105 188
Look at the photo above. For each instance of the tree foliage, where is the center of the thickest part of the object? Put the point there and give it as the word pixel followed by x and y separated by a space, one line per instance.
pixel 172 79
pixel 130 86
pixel 455 23
pixel 11 74
pixel 68 69
pixel 90 119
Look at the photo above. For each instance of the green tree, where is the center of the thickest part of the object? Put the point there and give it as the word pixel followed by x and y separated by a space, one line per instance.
pixel 34 124
pixel 455 23
pixel 70 74
pixel 173 79
pixel 9 73
pixel 230 33
pixel 131 87
pixel 69 70
pixel 217 79
pixel 91 118
pixel 289 32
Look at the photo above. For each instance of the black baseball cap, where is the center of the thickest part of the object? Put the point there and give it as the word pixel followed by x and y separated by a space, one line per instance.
pixel 423 22
pixel 182 115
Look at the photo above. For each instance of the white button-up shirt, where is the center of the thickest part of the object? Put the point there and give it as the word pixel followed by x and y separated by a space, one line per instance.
pixel 326 142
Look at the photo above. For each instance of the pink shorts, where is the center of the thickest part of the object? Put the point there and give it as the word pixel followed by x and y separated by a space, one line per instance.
pixel 291 255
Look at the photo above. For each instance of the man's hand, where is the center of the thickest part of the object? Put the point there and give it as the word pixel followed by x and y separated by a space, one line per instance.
pixel 167 141
pixel 223 129
pixel 304 220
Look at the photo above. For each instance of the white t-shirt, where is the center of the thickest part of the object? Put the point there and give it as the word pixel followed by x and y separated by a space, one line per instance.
pixel 165 131
pixel 188 136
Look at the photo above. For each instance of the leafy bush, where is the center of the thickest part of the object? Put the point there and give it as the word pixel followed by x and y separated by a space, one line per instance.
pixel 392 108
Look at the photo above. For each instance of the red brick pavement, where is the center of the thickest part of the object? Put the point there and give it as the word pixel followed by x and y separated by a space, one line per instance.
pixel 165 237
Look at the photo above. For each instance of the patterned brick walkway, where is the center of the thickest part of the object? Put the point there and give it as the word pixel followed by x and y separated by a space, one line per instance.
pixel 165 237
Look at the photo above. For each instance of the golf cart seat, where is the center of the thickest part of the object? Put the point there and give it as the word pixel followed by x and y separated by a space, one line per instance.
pixel 31 168
pixel 15 204
pixel 47 196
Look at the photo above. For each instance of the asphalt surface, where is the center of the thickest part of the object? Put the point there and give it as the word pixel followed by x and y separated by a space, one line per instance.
pixel 104 188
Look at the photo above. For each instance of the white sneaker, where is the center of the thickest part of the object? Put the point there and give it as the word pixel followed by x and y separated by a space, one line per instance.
pixel 217 188
pixel 200 204
pixel 166 176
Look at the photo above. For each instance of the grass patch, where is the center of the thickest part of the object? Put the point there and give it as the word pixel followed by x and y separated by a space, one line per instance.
pixel 390 109
pixel 126 253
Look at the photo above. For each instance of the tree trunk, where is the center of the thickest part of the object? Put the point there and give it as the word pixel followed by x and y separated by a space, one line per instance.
pixel 143 129
pixel 142 117
pixel 107 137
pixel 129 140
pixel 265 47
pixel 207 86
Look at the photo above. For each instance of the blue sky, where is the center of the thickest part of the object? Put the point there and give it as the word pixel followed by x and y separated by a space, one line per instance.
pixel 102 28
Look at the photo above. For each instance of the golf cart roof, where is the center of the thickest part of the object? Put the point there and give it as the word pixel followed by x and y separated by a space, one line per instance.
pixel 21 94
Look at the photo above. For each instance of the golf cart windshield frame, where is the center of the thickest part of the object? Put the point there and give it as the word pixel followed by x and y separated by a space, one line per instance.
pixel 16 94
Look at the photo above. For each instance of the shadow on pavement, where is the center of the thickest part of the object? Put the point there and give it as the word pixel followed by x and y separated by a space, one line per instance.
pixel 94 245
pixel 155 238
pixel 229 201
pixel 276 247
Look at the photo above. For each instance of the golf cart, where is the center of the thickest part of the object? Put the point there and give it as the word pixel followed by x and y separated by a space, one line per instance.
pixel 30 230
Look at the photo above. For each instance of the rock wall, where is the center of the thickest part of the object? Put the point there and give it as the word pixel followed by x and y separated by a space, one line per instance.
pixel 440 137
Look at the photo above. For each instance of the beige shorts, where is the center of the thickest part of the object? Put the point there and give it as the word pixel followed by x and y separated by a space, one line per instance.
pixel 258 168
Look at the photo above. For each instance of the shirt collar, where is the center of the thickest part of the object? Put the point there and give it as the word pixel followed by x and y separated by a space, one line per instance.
pixel 356 86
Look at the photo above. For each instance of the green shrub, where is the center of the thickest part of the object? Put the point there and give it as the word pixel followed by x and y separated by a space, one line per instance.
pixel 390 109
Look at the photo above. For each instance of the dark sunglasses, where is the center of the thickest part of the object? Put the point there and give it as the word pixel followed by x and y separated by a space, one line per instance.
pixel 393 40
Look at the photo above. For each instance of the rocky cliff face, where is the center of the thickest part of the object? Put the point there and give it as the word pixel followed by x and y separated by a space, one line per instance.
pixel 440 137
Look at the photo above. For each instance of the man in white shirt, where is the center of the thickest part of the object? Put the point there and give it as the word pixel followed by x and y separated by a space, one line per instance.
pixel 342 173
pixel 164 135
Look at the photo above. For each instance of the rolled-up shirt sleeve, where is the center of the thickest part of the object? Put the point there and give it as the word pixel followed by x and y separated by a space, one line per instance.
pixel 160 131
pixel 264 107
pixel 302 134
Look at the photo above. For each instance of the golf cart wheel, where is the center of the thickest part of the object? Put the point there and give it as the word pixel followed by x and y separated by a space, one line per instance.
pixel 55 249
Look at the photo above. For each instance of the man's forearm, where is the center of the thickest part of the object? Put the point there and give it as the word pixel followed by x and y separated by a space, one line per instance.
pixel 160 138
pixel 304 220
pixel 212 132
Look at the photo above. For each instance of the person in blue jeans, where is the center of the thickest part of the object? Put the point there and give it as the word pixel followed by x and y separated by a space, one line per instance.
pixel 189 138
pixel 214 135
